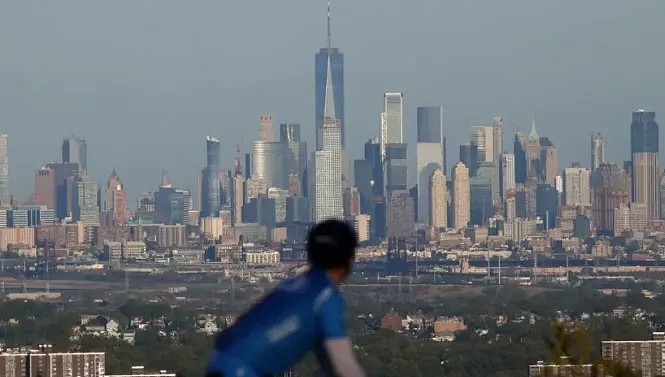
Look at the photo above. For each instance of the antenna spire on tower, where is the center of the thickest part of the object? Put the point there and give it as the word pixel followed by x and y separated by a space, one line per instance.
pixel 329 34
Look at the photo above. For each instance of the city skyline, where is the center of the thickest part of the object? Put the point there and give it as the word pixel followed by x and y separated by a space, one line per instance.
pixel 62 114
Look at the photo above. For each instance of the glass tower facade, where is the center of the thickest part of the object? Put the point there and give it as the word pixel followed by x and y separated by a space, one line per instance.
pixel 211 192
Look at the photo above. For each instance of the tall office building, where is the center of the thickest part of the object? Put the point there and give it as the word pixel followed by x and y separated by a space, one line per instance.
pixel 75 150
pixel 438 204
pixel 393 107
pixel 329 67
pixel 296 154
pixel 611 188
pixel 468 154
pixel 395 168
pixel 483 137
pixel 519 150
pixel 577 186
pixel 597 150
pixel 45 188
pixel 461 196
pixel 4 171
pixel 507 173
pixel 328 202
pixel 497 138
pixel 237 191
pixel 268 160
pixel 328 176
pixel 85 200
pixel 429 155
pixel 172 205
pixel 400 219
pixel 533 153
pixel 646 173
pixel 210 180
pixel 115 201
pixel 266 128
pixel 63 172
pixel 549 161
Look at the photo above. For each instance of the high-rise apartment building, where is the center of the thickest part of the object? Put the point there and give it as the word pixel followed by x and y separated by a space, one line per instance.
pixel 210 179
pixel 438 204
pixel 329 68
pixel 75 150
pixel 429 155
pixel 400 219
pixel 461 196
pixel 597 150
pixel 577 186
pixel 644 144
pixel 4 171
pixel 644 357
pixel 507 174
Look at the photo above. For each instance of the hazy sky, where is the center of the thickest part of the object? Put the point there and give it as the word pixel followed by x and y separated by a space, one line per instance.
pixel 145 81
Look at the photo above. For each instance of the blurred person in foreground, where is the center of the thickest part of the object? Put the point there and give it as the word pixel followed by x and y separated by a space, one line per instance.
pixel 303 313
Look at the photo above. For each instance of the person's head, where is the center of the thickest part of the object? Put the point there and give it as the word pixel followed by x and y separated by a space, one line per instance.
pixel 331 246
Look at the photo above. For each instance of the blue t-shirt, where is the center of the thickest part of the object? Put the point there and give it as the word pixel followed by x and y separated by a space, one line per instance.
pixel 296 317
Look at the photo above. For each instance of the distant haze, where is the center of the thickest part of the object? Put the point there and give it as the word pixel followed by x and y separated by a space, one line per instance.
pixel 145 81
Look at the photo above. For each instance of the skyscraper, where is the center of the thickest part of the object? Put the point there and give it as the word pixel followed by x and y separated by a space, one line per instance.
pixel 392 119
pixel 429 154
pixel 646 173
pixel 85 200
pixel 75 149
pixel 533 153
pixel 519 149
pixel 611 188
pixel 328 170
pixel 63 172
pixel 483 137
pixel 266 128
pixel 577 189
pixel 4 171
pixel 328 202
pixel 115 201
pixel 497 138
pixel 45 188
pixel 237 191
pixel 210 188
pixel 461 196
pixel 296 153
pixel 549 161
pixel 468 154
pixel 597 150
pixel 268 160
pixel 438 205
pixel 329 67
pixel 507 170
pixel 395 168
